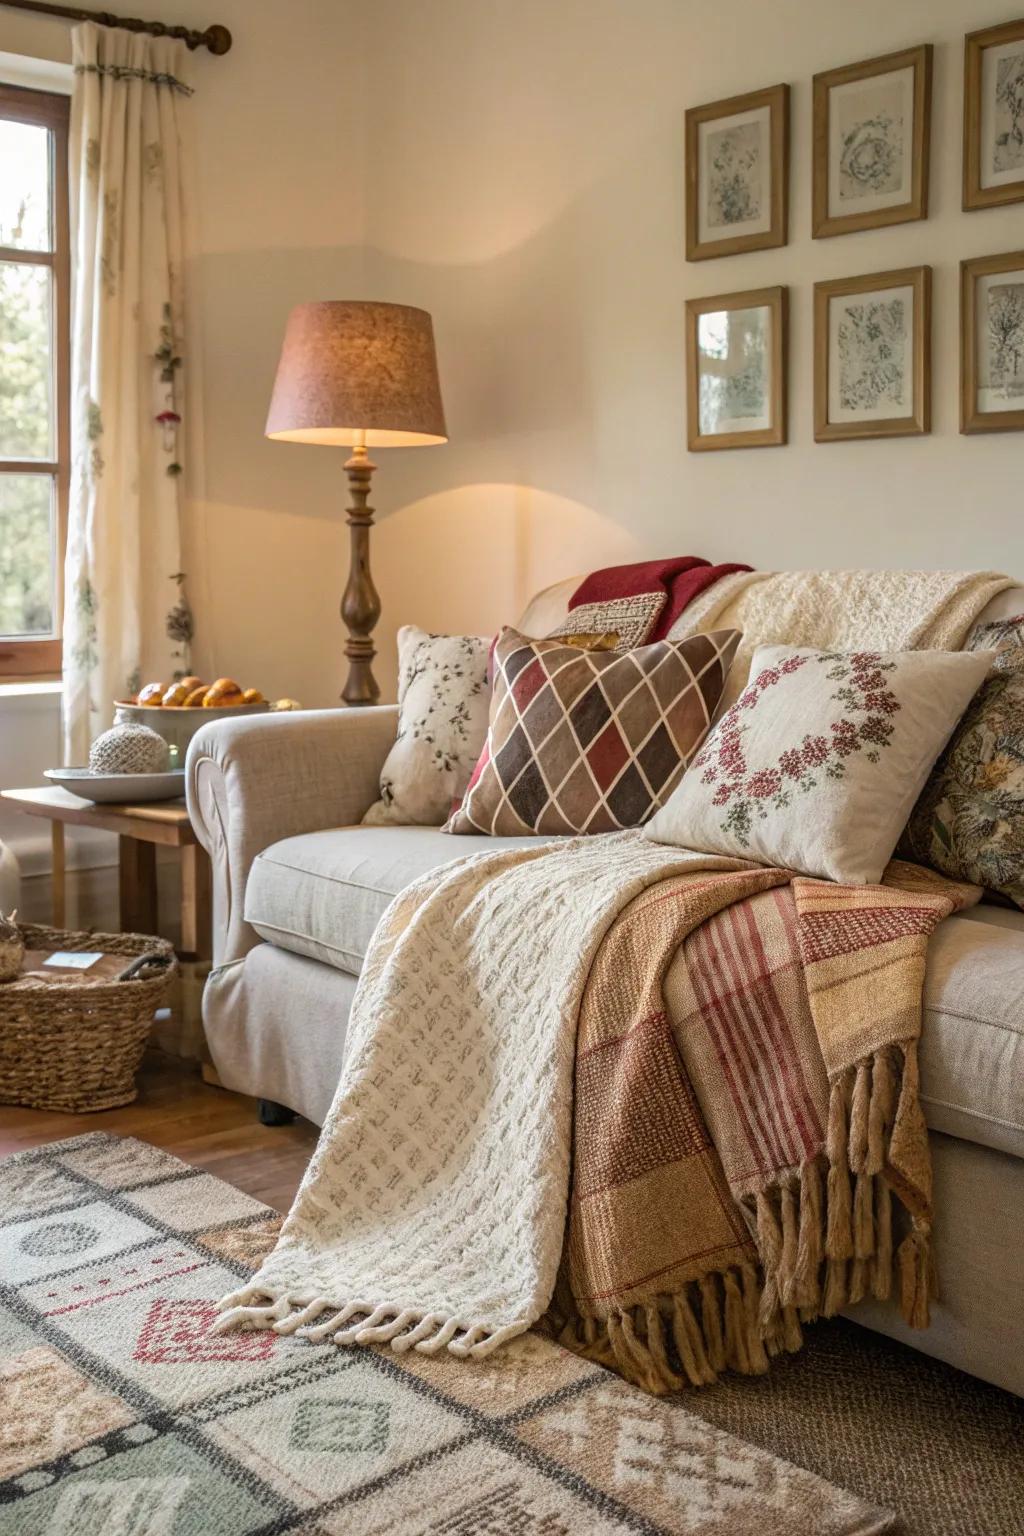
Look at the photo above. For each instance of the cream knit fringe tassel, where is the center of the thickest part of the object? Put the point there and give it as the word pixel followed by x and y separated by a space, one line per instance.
pixel 824 1240
pixel 363 1322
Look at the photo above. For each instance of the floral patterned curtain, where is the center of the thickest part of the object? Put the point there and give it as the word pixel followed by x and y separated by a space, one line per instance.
pixel 126 614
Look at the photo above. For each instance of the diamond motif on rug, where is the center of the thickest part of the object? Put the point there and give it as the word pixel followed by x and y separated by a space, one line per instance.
pixel 339 1424
pixel 178 1333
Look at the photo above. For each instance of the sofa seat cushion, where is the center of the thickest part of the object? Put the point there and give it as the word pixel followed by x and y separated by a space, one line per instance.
pixel 972 1050
pixel 322 894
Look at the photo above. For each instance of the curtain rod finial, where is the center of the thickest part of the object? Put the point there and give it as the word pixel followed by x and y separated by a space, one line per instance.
pixel 217 39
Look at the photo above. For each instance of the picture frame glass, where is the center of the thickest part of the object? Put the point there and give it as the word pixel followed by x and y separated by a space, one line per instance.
pixel 734 370
pixel 1002 114
pixel 734 175
pixel 871 143
pixel 999 329
pixel 871 355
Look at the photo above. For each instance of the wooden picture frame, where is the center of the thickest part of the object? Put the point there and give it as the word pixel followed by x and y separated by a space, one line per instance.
pixel 737 174
pixel 884 362
pixel 993 170
pixel 980 383
pixel 868 171
pixel 749 360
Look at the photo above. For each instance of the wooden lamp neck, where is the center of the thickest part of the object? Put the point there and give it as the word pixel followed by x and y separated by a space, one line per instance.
pixel 360 605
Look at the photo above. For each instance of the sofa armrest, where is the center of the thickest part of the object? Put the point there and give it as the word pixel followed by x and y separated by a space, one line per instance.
pixel 259 778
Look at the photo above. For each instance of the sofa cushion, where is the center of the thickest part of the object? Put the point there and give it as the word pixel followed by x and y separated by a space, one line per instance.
pixel 322 894
pixel 972 1050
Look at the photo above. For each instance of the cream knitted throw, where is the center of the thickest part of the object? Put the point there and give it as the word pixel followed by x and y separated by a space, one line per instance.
pixel 840 611
pixel 433 1211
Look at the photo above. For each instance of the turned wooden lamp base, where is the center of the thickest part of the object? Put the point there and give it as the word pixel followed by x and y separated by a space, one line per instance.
pixel 360 606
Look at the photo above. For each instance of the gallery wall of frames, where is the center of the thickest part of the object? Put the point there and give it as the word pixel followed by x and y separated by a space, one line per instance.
pixel 872 331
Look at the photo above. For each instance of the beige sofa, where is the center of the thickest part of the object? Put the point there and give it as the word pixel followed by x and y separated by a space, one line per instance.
pixel 299 886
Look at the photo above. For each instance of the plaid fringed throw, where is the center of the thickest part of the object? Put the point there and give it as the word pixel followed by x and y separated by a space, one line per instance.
pixel 713 1061
pixel 745 1111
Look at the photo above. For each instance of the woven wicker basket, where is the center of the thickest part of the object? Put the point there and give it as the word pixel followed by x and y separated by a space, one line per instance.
pixel 74 1046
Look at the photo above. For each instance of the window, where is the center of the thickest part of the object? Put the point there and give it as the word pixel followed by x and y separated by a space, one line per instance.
pixel 34 388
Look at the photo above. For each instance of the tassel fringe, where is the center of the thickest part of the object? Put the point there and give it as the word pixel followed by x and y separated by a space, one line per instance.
pixel 824 1238
pixel 362 1322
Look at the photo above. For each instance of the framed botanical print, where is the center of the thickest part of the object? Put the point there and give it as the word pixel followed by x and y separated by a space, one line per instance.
pixel 871 137
pixel 872 355
pixel 992 343
pixel 994 116
pixel 737 170
pixel 736 370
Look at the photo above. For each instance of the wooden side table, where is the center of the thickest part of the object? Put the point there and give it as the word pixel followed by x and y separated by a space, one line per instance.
pixel 140 830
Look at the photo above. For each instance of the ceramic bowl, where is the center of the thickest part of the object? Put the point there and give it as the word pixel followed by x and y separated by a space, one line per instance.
pixel 119 788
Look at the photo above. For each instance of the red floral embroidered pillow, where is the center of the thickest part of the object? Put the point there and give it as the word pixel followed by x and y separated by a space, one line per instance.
pixel 818 763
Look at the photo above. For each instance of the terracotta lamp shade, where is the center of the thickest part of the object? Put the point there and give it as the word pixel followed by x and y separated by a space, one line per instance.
pixel 354 372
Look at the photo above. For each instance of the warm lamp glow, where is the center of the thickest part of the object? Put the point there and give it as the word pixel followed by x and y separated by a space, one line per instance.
pixel 358 373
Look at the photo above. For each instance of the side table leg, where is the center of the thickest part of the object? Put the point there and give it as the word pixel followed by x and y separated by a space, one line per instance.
pixel 137 886
pixel 58 879
pixel 196 939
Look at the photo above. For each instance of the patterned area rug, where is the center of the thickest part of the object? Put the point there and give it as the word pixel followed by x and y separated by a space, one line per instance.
pixel 122 1416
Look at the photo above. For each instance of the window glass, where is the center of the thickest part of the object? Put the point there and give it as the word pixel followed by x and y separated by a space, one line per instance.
pixel 25 221
pixel 26 361
pixel 26 555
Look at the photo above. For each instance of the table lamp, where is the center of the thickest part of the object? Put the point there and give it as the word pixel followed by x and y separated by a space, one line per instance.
pixel 364 375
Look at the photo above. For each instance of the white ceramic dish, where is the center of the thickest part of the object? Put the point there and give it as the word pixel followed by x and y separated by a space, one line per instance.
pixel 119 788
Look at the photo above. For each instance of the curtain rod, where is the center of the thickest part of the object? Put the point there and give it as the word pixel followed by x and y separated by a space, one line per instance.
pixel 216 38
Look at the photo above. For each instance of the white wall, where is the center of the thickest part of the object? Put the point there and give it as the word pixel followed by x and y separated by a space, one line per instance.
pixel 525 183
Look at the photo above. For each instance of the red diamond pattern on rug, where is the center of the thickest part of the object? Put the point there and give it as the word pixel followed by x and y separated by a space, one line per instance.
pixel 590 741
pixel 178 1333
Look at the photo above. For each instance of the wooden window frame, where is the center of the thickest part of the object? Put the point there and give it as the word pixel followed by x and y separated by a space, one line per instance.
pixel 24 657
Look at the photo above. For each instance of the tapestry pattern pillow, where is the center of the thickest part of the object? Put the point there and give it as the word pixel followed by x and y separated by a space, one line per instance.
pixel 969 821
pixel 630 619
pixel 817 764
pixel 442 726
pixel 590 741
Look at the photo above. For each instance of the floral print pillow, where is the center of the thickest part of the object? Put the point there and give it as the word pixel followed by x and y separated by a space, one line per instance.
pixel 443 700
pixel 817 764
pixel 969 821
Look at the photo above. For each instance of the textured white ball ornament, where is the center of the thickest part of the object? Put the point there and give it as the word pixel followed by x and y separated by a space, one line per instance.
pixel 129 749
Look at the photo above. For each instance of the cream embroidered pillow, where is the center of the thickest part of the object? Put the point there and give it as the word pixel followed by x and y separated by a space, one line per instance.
pixel 442 726
pixel 818 763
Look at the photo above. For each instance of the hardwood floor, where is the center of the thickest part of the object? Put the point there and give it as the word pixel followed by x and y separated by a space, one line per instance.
pixel 207 1127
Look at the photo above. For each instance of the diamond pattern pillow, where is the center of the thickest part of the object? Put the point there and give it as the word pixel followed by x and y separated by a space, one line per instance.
pixel 590 741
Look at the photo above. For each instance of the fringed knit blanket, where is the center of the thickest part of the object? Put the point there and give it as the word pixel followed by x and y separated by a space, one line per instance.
pixel 731 1171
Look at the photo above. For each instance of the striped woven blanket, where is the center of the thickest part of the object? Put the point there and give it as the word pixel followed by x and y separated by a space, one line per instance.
pixel 745 1114
pixel 713 1063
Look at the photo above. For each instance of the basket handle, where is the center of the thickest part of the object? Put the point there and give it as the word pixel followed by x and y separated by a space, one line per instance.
pixel 146 967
